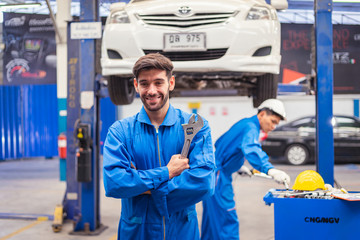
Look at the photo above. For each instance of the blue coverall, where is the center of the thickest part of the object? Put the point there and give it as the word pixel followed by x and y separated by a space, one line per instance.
pixel 135 158
pixel 241 142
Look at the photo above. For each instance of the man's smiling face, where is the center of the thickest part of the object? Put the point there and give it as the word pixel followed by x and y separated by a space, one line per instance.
pixel 154 88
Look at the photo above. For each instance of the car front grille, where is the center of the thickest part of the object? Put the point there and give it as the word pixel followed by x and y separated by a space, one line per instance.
pixel 210 54
pixel 198 19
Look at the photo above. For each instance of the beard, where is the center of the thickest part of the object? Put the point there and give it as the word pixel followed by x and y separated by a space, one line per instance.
pixel 159 105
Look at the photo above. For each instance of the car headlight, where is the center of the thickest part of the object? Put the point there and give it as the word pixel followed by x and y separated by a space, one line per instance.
pixel 119 17
pixel 259 13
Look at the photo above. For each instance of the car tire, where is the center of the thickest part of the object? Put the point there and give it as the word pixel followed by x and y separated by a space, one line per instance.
pixel 297 154
pixel 266 88
pixel 121 90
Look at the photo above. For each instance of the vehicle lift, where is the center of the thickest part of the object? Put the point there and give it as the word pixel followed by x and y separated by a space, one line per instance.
pixel 81 203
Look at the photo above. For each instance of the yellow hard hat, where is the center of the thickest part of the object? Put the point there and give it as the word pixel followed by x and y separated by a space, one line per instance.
pixel 309 180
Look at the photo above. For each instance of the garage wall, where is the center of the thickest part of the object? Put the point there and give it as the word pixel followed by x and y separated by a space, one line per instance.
pixel 223 112
pixel 28 121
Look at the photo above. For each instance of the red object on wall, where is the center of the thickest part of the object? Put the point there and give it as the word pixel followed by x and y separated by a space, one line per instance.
pixel 225 111
pixel 62 145
pixel 212 111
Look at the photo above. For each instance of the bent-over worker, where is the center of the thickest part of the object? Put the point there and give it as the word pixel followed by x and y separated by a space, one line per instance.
pixel 239 143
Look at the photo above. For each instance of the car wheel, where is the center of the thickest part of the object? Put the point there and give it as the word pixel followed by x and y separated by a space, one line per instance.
pixel 297 154
pixel 266 88
pixel 121 90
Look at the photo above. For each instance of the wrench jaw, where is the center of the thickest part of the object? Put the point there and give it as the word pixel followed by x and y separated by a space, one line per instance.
pixel 192 119
pixel 199 123
pixel 190 130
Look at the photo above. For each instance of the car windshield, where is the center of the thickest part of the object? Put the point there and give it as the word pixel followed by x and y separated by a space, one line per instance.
pixel 303 122
pixel 135 1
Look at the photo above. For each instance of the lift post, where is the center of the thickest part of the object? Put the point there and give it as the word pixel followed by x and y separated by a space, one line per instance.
pixel 82 197
pixel 324 90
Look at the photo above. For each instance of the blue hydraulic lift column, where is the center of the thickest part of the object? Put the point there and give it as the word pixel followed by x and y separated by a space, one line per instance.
pixel 89 191
pixel 324 90
pixel 82 198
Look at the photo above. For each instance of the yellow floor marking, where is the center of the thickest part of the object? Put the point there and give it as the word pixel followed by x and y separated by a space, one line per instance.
pixel 39 220
pixel 112 238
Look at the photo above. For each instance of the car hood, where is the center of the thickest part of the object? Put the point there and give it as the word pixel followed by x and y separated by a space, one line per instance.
pixel 173 6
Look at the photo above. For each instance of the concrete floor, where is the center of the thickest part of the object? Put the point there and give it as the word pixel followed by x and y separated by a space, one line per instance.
pixel 32 186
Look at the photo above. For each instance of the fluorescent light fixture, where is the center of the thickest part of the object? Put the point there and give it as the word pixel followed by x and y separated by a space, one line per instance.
pixel 19 5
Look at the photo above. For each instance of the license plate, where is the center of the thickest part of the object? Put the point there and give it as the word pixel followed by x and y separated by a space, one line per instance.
pixel 184 42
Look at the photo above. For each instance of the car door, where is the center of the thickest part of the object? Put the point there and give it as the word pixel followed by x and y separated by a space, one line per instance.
pixel 346 137
pixel 305 131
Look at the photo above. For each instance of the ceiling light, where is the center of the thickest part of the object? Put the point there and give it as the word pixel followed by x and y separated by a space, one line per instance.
pixel 19 5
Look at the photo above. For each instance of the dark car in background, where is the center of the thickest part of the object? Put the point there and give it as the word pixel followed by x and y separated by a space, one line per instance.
pixel 295 141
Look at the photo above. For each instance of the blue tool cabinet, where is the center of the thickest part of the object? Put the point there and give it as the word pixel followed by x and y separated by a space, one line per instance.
pixel 302 218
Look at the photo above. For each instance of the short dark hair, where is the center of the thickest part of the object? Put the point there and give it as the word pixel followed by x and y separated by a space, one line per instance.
pixel 153 61
pixel 270 112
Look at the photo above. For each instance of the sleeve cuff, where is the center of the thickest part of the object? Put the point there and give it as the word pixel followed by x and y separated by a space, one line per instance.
pixel 266 170
pixel 162 177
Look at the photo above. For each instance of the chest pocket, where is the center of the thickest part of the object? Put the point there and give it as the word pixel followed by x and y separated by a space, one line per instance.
pixel 143 147
pixel 170 142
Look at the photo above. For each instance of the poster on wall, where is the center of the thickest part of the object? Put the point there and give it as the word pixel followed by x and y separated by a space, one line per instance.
pixel 296 63
pixel 30 49
pixel 346 57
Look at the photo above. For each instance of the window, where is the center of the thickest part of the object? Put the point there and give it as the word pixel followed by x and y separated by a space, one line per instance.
pixel 347 122
pixel 304 122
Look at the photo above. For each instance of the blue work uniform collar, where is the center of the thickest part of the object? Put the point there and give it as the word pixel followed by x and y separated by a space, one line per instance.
pixel 170 118
pixel 255 119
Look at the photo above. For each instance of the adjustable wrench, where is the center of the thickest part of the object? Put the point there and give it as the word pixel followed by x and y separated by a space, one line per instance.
pixel 254 172
pixel 190 130
pixel 264 175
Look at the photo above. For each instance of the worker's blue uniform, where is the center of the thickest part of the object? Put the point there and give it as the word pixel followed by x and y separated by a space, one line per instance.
pixel 135 158
pixel 241 142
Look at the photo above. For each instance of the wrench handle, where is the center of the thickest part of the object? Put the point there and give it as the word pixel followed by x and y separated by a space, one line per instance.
pixel 185 149
pixel 286 185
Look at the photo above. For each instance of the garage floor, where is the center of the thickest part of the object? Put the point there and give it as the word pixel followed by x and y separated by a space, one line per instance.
pixel 32 186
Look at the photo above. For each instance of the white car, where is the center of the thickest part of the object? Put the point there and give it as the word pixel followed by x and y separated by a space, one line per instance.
pixel 210 42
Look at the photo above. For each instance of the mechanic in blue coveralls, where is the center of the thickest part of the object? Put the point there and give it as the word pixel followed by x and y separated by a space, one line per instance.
pixel 142 163
pixel 239 143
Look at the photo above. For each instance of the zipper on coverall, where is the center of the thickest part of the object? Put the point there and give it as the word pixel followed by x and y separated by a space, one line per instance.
pixel 158 146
